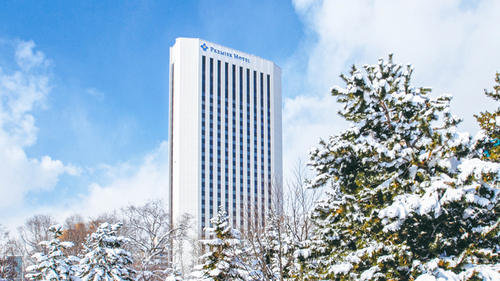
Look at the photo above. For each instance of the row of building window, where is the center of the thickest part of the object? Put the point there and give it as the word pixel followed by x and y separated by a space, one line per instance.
pixel 265 139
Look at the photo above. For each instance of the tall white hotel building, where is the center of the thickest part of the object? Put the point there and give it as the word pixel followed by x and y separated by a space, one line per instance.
pixel 225 142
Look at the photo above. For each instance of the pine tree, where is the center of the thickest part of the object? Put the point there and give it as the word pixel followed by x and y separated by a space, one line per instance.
pixel 105 258
pixel 55 265
pixel 409 199
pixel 223 262
pixel 489 137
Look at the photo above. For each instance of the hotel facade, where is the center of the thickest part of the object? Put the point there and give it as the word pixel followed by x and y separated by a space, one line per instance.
pixel 225 140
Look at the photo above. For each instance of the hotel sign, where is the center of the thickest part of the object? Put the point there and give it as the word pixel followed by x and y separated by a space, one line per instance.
pixel 224 53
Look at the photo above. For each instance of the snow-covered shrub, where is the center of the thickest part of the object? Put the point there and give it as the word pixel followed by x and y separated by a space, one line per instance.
pixel 104 258
pixel 223 262
pixel 55 265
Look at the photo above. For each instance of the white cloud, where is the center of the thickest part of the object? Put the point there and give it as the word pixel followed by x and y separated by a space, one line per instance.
pixel 133 183
pixel 27 59
pixel 453 47
pixel 306 119
pixel 127 183
pixel 22 90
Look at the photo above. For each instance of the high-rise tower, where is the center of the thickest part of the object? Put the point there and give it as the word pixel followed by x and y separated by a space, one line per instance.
pixel 225 142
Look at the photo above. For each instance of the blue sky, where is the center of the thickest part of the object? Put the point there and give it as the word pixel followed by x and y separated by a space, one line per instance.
pixel 83 126
pixel 120 49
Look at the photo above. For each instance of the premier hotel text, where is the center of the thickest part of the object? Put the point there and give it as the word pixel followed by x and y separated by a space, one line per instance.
pixel 236 56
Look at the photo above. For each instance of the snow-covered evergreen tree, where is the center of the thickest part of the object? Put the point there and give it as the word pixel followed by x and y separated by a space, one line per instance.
pixel 55 265
pixel 488 139
pixel 409 200
pixel 104 259
pixel 223 262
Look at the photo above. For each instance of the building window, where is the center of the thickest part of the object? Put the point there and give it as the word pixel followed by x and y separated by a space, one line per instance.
pixel 211 195
pixel 218 133
pixel 203 97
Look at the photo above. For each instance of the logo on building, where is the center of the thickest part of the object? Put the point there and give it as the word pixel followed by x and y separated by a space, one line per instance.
pixel 224 53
